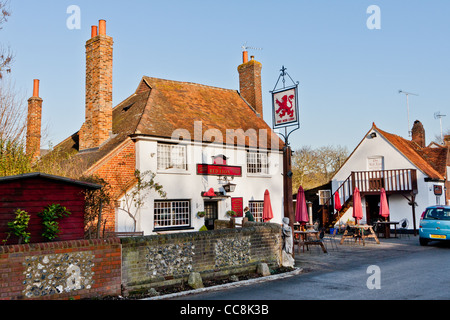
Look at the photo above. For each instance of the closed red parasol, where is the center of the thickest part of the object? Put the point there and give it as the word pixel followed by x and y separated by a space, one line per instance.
pixel 301 212
pixel 267 209
pixel 357 206
pixel 384 208
pixel 337 202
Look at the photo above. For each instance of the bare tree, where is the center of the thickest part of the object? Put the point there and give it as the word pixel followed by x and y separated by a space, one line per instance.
pixel 6 55
pixel 134 199
pixel 13 113
pixel 315 167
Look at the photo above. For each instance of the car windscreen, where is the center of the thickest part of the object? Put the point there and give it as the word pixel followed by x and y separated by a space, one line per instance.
pixel 437 214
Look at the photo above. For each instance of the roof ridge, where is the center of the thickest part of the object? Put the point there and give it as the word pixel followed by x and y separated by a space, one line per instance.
pixel 190 83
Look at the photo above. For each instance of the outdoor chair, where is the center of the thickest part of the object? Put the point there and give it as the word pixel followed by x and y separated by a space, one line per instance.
pixel 331 238
pixel 403 227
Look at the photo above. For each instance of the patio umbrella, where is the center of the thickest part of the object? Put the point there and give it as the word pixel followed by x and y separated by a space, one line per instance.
pixel 301 212
pixel 337 202
pixel 384 208
pixel 267 208
pixel 357 206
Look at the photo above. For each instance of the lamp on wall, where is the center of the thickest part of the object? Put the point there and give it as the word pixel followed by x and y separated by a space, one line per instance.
pixel 229 187
pixel 373 135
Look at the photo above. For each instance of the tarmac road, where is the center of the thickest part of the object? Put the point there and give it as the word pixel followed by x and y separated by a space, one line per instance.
pixel 396 269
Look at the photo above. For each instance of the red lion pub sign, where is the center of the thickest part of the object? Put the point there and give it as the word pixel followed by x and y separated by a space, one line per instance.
pixel 285 107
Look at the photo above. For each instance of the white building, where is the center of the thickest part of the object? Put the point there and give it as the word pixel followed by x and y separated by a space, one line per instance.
pixel 196 139
pixel 190 173
pixel 407 169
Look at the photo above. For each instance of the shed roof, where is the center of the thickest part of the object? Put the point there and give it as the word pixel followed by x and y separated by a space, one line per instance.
pixel 86 185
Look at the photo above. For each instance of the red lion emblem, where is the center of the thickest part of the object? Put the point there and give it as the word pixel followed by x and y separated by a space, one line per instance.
pixel 283 106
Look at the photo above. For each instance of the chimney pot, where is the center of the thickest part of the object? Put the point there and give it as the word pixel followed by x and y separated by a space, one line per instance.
pixel 245 56
pixel 102 27
pixel 36 88
pixel 94 31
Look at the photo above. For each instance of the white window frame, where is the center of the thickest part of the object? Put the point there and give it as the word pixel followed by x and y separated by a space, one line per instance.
pixel 169 213
pixel 256 209
pixel 324 196
pixel 257 163
pixel 171 157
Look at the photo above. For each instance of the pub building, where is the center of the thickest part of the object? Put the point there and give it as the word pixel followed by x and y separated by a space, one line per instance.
pixel 209 147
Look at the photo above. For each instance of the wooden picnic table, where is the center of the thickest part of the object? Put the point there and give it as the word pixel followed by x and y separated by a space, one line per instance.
pixel 359 234
pixel 308 238
pixel 386 225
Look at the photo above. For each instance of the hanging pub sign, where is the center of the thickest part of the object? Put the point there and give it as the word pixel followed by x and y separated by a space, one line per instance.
pixel 285 107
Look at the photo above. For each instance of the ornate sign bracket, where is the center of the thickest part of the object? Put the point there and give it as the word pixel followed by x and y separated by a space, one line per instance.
pixel 285 108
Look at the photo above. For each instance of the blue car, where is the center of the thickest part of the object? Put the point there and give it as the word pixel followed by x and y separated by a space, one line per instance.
pixel 434 224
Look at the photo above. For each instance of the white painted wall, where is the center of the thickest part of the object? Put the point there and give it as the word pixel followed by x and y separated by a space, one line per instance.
pixel 188 185
pixel 393 159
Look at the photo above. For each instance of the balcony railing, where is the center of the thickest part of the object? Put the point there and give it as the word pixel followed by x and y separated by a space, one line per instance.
pixel 370 182
pixel 393 181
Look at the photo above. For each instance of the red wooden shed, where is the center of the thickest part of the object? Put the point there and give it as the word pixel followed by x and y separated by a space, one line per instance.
pixel 32 192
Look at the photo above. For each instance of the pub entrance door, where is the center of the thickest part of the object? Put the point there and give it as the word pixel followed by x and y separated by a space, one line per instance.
pixel 372 208
pixel 211 214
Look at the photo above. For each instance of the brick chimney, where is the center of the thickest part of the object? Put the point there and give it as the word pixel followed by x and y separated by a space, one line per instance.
pixel 97 127
pixel 418 134
pixel 33 143
pixel 250 82
pixel 447 141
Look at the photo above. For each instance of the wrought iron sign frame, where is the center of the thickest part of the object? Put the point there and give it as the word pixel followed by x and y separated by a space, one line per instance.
pixel 295 123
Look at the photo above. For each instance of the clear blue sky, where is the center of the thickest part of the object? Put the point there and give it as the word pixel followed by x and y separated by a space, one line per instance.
pixel 349 75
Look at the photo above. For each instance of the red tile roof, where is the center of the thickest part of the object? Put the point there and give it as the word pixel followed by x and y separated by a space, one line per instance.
pixel 431 161
pixel 159 107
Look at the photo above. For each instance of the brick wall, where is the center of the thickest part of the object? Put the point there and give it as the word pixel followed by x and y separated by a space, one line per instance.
pixel 167 260
pixel 118 170
pixel 60 270
pixel 85 269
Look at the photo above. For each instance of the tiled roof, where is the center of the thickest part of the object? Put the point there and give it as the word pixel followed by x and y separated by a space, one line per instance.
pixel 159 107
pixel 176 105
pixel 431 161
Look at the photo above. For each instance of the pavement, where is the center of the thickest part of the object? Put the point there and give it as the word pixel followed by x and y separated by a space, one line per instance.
pixel 337 258
pixel 314 259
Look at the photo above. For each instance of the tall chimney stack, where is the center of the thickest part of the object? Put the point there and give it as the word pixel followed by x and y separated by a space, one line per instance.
pixel 250 82
pixel 34 119
pixel 418 134
pixel 98 110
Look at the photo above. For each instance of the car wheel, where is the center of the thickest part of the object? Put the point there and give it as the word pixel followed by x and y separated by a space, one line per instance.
pixel 423 241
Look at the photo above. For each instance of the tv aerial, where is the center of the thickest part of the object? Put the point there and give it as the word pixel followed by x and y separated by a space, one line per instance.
pixel 407 94
pixel 438 115
pixel 245 47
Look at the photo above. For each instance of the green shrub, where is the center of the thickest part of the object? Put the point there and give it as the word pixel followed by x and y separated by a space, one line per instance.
pixel 19 226
pixel 49 216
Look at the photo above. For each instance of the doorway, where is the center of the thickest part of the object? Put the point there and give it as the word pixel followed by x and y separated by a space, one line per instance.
pixel 211 214
pixel 372 208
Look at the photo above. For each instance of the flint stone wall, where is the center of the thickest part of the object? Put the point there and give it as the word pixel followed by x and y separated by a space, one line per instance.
pixel 168 259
